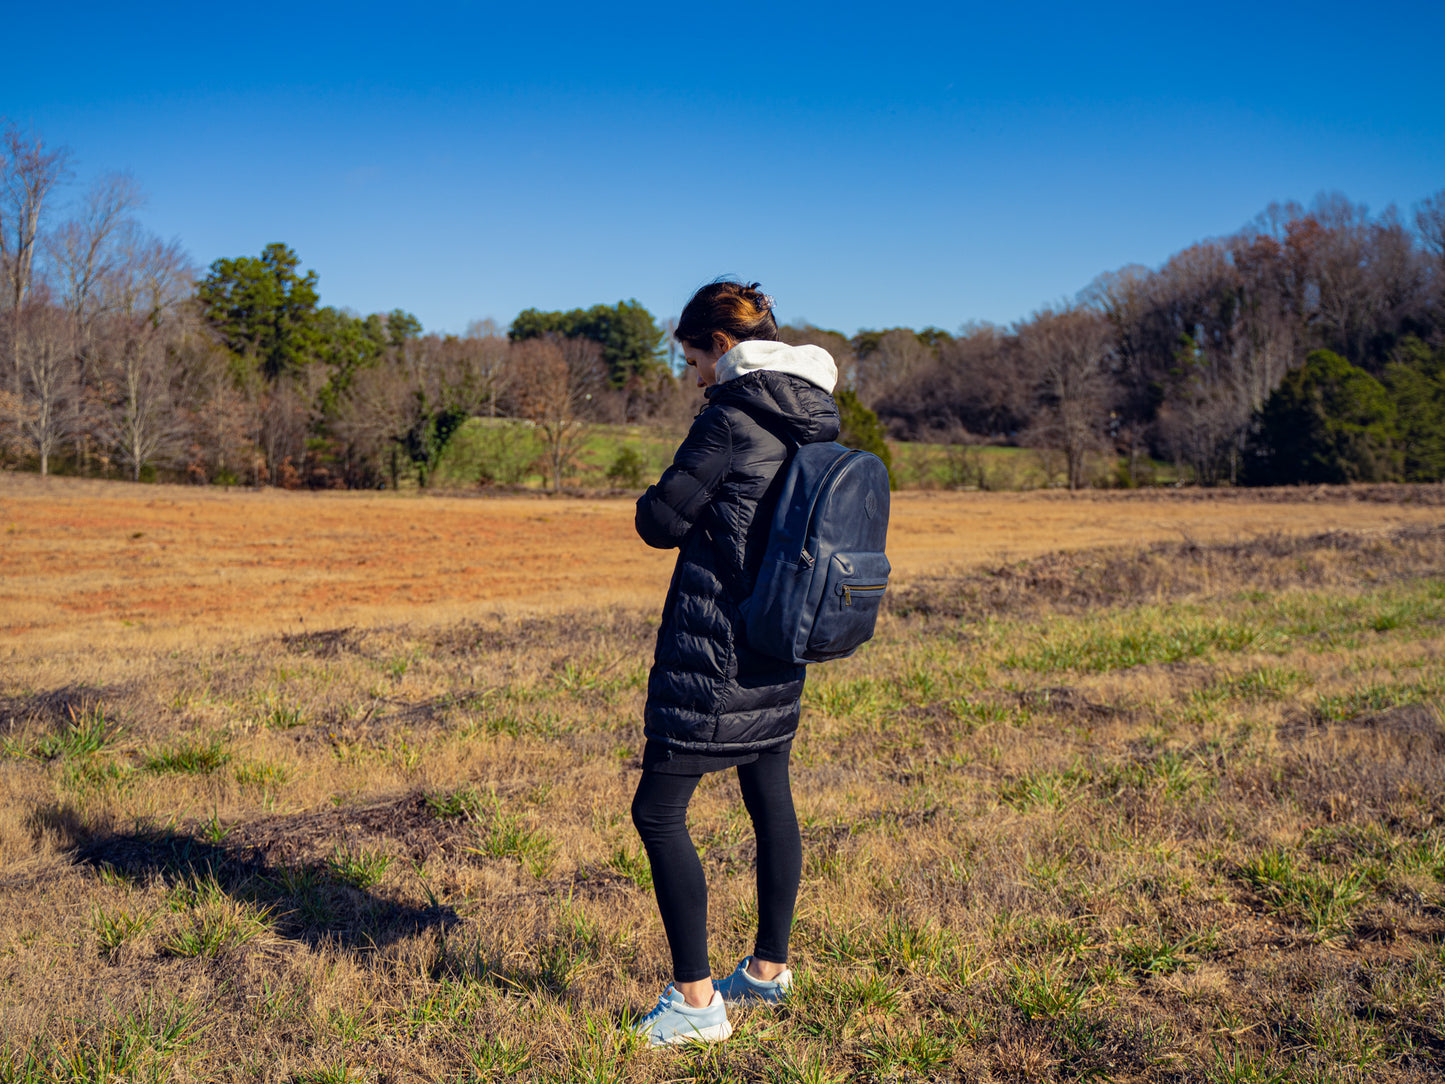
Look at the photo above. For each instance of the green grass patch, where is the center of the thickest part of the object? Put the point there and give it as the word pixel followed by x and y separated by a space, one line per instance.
pixel 1323 903
pixel 114 928
pixel 212 933
pixel 1173 773
pixel 1379 696
pixel 1148 952
pixel 462 802
pixel 261 774
pixel 186 758
pixel 497 1059
pixel 1039 790
pixel 1043 991
pixel 1341 618
pixel 633 864
pixel 358 867
pixel 829 1006
pixel 84 733
pixel 1135 637
pixel 1261 684
pixel 508 837
pixel 282 717
pixel 508 451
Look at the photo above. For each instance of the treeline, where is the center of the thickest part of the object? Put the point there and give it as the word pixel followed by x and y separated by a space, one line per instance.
pixel 1308 347
pixel 119 358
pixel 333 399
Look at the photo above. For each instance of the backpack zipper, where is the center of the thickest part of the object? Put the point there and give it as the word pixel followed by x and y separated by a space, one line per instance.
pixel 848 590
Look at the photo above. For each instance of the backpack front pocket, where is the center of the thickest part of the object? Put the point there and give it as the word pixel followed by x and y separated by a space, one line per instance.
pixel 849 608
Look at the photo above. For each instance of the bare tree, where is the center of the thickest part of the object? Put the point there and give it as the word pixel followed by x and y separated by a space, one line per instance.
pixel 896 361
pixel 484 353
pixel 1430 223
pixel 83 253
pixel 1123 296
pixel 1200 424
pixel 371 420
pixel 44 348
pixel 1340 267
pixel 1267 334
pixel 286 421
pixel 403 410
pixel 447 380
pixel 28 175
pixel 144 285
pixel 144 420
pixel 556 378
pixel 974 385
pixel 87 249
pixel 146 275
pixel 1068 351
pixel 220 417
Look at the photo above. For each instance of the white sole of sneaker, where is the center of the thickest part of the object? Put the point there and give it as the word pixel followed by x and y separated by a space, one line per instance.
pixel 715 1034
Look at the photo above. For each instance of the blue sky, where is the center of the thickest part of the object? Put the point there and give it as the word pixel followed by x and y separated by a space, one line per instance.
pixel 872 165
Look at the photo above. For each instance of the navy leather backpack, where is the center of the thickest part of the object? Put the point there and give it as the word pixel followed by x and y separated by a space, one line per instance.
pixel 824 570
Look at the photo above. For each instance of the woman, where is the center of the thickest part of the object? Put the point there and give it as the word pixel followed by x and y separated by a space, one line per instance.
pixel 712 703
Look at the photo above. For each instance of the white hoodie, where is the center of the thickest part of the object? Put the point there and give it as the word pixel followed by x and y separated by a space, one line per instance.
pixel 812 363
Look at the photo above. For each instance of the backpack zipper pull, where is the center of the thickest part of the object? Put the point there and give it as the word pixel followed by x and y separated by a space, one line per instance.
pixel 807 559
pixel 847 595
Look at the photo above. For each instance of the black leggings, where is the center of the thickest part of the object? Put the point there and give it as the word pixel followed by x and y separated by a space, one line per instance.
pixel 660 812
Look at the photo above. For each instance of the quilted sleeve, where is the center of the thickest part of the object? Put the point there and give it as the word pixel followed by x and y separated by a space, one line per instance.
pixel 668 510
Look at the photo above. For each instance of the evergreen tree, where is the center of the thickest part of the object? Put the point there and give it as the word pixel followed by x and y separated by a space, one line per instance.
pixel 861 428
pixel 1328 422
pixel 1416 380
pixel 263 309
pixel 630 339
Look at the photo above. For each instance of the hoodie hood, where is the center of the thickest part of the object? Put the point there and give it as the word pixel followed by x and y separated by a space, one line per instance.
pixel 812 363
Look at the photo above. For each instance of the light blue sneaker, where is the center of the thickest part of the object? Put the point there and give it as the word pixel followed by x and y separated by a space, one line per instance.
pixel 740 988
pixel 675 1021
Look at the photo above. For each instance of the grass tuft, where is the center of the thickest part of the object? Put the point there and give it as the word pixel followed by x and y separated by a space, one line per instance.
pixel 632 863
pixel 84 733
pixel 186 758
pixel 1325 904
pixel 464 802
pixel 358 867
pixel 113 929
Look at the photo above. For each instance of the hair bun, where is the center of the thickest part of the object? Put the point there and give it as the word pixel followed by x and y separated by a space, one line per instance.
pixel 753 291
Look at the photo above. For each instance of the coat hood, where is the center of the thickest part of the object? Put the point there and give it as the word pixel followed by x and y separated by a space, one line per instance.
pixel 812 363
pixel 782 403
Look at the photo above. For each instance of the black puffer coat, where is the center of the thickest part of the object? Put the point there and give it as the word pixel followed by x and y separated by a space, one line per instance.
pixel 708 693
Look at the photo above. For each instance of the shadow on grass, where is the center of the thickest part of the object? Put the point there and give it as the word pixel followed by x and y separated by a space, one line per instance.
pixel 309 901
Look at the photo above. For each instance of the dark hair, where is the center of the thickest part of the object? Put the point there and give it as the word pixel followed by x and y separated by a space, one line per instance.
pixel 740 311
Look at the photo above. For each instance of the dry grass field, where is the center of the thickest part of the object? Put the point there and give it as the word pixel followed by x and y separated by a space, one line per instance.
pixel 303 787
pixel 101 566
